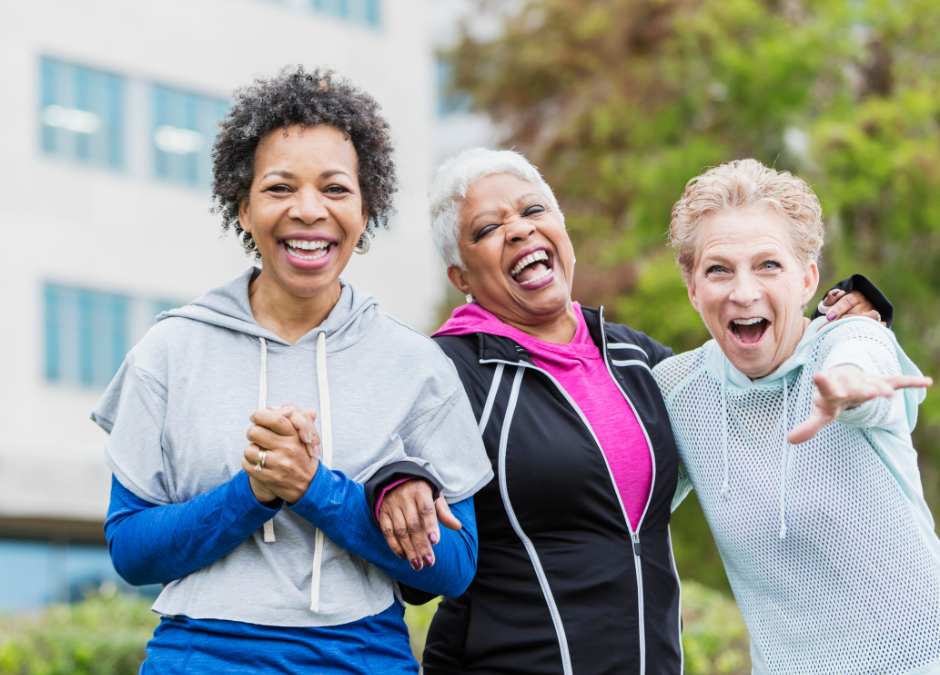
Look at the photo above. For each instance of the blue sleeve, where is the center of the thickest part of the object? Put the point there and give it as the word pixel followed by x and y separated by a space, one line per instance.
pixel 337 505
pixel 152 544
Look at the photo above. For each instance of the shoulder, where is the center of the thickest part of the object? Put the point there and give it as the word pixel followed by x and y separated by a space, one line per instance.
pixel 675 371
pixel 621 337
pixel 404 339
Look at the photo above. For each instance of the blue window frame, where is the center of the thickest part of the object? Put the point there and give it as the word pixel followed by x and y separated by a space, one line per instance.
pixel 81 114
pixel 448 100
pixel 48 572
pixel 184 128
pixel 364 12
pixel 86 335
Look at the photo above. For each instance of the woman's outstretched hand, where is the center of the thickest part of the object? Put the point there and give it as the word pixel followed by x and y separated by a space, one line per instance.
pixel 408 518
pixel 291 445
pixel 845 387
pixel 841 304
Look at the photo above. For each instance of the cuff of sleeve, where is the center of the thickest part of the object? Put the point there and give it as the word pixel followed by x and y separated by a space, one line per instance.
pixel 863 285
pixel 396 471
pixel 243 503
pixel 317 495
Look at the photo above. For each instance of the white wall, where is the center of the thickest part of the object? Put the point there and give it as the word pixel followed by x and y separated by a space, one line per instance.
pixel 129 233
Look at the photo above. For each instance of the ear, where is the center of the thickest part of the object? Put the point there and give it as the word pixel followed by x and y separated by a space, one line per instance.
pixel 693 298
pixel 810 282
pixel 243 218
pixel 457 278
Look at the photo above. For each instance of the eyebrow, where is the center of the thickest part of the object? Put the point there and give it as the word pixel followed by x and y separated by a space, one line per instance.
pixel 287 174
pixel 496 213
pixel 481 214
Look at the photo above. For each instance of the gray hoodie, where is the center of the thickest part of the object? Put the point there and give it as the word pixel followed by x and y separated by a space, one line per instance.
pixel 178 410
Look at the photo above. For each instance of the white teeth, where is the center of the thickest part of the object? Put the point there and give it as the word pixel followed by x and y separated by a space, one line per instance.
pixel 534 279
pixel 746 322
pixel 528 260
pixel 307 245
pixel 293 251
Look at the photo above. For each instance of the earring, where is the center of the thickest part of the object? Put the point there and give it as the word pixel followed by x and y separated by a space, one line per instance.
pixel 364 244
pixel 469 298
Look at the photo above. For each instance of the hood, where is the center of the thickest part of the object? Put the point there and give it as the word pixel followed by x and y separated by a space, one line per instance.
pixel 227 306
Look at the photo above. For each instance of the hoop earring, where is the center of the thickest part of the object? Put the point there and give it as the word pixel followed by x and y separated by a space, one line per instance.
pixel 363 245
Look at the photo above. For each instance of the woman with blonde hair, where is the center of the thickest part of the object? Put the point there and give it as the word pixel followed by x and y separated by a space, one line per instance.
pixel 796 438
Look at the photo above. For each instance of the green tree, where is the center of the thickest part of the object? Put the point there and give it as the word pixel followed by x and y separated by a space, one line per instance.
pixel 620 102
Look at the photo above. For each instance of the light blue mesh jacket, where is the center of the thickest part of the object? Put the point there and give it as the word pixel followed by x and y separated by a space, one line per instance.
pixel 829 545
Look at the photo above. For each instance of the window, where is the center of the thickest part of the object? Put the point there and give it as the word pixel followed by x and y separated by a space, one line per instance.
pixel 81 113
pixel 448 100
pixel 365 12
pixel 48 572
pixel 86 335
pixel 184 128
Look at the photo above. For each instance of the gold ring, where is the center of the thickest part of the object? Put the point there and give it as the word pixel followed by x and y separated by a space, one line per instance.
pixel 259 463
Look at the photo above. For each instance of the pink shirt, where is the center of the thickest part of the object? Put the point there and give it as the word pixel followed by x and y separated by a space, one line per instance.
pixel 580 370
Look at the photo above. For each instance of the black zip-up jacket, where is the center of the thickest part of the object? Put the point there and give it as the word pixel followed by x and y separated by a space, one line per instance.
pixel 562 584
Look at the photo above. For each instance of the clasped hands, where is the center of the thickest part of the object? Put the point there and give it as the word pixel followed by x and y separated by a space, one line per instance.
pixel 291 446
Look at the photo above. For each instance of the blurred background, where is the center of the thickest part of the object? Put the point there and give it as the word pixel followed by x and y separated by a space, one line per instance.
pixel 111 108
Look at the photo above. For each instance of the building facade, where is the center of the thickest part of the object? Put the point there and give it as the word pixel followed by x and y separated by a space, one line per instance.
pixel 110 111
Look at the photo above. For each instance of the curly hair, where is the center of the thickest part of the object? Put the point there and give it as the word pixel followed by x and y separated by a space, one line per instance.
pixel 297 97
pixel 746 184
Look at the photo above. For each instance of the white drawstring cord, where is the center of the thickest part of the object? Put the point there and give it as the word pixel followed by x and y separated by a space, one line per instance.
pixel 262 404
pixel 326 459
pixel 726 481
pixel 783 469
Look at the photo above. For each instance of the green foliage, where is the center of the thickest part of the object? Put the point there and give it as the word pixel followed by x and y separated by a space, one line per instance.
pixel 100 636
pixel 621 102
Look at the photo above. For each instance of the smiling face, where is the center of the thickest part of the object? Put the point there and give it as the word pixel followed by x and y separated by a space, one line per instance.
pixel 750 288
pixel 305 210
pixel 518 259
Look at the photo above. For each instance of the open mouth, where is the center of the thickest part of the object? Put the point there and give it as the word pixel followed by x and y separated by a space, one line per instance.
pixel 532 268
pixel 307 250
pixel 749 331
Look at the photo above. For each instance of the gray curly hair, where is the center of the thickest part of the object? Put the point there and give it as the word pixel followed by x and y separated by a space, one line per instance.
pixel 297 97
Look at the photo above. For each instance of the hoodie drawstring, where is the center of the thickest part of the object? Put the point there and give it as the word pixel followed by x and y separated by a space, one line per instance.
pixel 783 468
pixel 262 404
pixel 326 459
pixel 726 482
pixel 326 444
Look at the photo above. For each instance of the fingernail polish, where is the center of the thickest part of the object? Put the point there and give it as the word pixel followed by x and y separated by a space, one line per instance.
pixel 433 537
pixel 416 564
pixel 429 561
pixel 402 556
pixel 830 316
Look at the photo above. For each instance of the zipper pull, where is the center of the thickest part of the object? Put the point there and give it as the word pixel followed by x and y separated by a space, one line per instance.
pixel 636 543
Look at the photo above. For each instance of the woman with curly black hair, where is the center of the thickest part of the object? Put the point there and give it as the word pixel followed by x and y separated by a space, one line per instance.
pixel 268 554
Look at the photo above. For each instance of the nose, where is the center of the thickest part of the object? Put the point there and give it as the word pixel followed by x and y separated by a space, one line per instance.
pixel 746 290
pixel 307 206
pixel 519 229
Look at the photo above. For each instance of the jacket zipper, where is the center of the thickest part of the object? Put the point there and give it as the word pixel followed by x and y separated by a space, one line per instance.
pixel 634 536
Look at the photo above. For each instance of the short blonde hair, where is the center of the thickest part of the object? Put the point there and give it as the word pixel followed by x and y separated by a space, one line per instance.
pixel 746 184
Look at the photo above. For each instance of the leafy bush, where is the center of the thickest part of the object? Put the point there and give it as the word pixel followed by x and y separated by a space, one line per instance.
pixel 107 636
pixel 99 636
